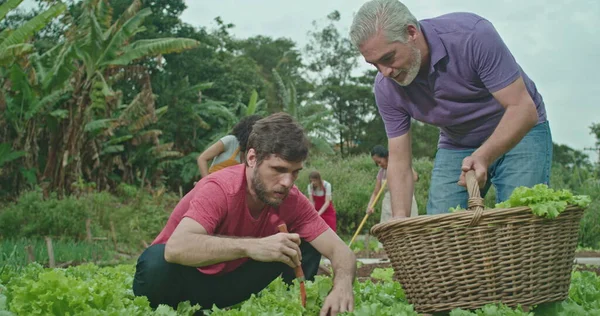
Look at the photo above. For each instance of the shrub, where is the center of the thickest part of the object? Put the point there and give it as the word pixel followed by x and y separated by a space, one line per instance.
pixel 353 181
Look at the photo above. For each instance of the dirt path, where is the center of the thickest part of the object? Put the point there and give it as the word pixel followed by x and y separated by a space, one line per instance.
pixel 364 271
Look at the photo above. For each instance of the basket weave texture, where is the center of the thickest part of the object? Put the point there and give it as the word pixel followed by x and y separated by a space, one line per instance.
pixel 472 258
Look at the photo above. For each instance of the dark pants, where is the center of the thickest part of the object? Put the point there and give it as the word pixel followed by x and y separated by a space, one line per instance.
pixel 169 283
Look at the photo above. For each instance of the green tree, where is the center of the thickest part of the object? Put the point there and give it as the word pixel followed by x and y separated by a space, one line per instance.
pixel 569 157
pixel 332 60
pixel 94 45
pixel 280 55
pixel 314 117
pixel 13 41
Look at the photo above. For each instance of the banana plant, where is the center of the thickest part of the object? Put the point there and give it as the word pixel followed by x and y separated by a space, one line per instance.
pixel 314 117
pixel 13 43
pixel 7 155
pixel 127 141
pixel 95 47
pixel 254 106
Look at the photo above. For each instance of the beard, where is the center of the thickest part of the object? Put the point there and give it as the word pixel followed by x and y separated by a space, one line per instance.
pixel 413 69
pixel 263 194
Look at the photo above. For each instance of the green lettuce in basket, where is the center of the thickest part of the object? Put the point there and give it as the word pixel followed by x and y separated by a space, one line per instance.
pixel 544 201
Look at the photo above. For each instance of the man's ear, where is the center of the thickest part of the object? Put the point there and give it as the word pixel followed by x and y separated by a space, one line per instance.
pixel 412 32
pixel 251 158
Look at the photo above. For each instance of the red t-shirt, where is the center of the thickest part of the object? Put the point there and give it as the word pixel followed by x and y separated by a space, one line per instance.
pixel 218 203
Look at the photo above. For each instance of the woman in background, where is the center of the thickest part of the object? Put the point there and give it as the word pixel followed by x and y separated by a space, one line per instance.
pixel 319 194
pixel 229 150
pixel 379 154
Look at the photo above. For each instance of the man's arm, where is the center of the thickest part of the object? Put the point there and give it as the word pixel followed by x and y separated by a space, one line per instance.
pixel 343 261
pixel 190 245
pixel 520 116
pixel 500 73
pixel 342 258
pixel 400 175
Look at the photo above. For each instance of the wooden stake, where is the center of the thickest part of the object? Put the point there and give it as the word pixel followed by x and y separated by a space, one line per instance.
pixel 88 229
pixel 51 262
pixel 368 244
pixel 30 255
pixel 113 234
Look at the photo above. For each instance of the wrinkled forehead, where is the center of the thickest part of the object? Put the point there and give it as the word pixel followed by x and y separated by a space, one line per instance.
pixel 377 48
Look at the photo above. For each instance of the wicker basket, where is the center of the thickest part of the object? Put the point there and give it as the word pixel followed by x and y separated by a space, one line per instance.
pixel 472 258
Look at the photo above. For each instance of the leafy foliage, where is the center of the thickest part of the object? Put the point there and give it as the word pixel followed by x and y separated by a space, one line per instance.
pixel 91 290
pixel 544 201
pixel 86 289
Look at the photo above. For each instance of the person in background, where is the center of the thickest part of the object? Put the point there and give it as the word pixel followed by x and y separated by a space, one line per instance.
pixel 229 150
pixel 319 194
pixel 379 154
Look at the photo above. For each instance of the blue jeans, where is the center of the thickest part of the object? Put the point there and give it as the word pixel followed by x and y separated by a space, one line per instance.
pixel 527 164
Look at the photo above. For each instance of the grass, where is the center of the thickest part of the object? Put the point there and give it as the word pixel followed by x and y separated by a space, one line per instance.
pixel 13 252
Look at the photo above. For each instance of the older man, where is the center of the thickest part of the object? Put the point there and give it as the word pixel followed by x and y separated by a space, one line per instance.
pixel 455 72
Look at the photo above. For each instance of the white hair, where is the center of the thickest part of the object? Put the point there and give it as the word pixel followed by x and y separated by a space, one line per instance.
pixel 391 17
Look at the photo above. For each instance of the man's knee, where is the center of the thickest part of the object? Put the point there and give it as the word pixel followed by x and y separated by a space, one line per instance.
pixel 311 258
pixel 152 275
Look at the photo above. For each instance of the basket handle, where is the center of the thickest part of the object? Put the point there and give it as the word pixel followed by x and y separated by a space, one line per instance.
pixel 475 202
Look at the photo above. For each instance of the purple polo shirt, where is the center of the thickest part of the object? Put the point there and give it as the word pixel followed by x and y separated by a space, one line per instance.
pixel 469 61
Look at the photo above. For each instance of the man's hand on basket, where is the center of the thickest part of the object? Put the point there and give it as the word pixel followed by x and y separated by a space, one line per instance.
pixel 477 164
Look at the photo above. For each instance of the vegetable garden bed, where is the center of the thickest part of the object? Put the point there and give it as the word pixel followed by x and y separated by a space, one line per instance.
pixel 91 290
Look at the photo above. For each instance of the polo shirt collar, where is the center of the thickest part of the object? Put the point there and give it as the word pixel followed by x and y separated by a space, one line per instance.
pixel 437 50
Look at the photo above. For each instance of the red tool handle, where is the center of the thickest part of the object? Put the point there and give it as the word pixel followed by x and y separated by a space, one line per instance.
pixel 297 270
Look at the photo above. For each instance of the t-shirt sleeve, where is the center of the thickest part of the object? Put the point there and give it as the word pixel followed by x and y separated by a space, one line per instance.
pixel 309 189
pixel 307 223
pixel 492 60
pixel 395 119
pixel 327 189
pixel 208 207
pixel 229 141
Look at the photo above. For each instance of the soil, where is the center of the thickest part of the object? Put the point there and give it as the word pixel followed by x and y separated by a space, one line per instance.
pixel 364 272
pixel 595 269
pixel 370 254
pixel 587 254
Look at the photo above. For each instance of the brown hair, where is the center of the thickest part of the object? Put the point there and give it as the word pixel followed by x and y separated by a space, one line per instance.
pixel 278 134
pixel 316 176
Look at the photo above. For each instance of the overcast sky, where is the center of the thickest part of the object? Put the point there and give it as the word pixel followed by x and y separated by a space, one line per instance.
pixel 556 42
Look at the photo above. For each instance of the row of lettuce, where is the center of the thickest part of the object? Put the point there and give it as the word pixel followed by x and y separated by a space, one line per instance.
pixel 92 290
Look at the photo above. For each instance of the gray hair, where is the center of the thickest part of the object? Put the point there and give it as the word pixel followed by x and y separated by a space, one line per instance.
pixel 392 17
